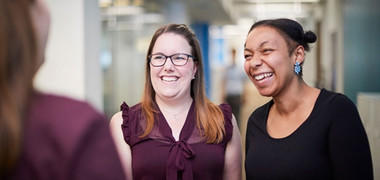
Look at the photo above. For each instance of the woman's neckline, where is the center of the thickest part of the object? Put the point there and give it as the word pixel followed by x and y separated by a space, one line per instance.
pixel 184 128
pixel 301 126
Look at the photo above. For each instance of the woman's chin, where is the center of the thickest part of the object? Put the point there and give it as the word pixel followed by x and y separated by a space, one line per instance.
pixel 265 92
pixel 168 95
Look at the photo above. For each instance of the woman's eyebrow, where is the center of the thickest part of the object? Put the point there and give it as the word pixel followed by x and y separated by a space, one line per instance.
pixel 260 46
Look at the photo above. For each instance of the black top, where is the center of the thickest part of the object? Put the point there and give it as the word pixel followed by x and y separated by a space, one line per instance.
pixel 330 144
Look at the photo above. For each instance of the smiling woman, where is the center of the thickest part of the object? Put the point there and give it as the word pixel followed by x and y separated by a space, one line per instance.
pixel 303 132
pixel 176 132
pixel 170 81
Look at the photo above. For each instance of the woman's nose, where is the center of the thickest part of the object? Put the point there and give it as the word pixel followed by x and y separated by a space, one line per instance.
pixel 168 64
pixel 256 61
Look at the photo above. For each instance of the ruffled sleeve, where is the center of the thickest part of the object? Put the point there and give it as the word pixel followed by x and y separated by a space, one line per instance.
pixel 125 126
pixel 227 112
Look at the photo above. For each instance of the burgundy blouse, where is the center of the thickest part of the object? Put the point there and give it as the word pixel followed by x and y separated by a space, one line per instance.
pixel 160 156
pixel 65 139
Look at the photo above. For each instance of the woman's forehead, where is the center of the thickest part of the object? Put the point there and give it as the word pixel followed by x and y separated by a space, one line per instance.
pixel 171 42
pixel 262 36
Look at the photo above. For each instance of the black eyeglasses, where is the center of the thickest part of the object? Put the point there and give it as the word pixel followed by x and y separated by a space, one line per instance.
pixel 178 59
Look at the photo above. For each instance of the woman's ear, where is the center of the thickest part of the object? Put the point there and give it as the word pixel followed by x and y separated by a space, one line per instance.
pixel 41 23
pixel 299 54
pixel 195 69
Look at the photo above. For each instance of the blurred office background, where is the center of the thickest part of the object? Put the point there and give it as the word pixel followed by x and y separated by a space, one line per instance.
pixel 97 48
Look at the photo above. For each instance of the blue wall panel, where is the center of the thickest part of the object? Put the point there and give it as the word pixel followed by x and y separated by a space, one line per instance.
pixel 201 30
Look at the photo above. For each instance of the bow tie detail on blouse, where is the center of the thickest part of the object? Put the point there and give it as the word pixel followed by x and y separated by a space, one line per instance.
pixel 179 162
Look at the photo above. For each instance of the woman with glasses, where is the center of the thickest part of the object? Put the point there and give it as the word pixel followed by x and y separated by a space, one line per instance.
pixel 303 132
pixel 176 132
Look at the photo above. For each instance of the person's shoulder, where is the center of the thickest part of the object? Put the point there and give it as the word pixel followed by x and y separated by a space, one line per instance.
pixel 262 110
pixel 61 104
pixel 128 115
pixel 228 118
pixel 336 107
pixel 117 118
pixel 336 99
pixel 46 98
pixel 136 108
pixel 260 113
pixel 58 110
pixel 257 119
pixel 225 107
pixel 62 119
pixel 227 111
pixel 125 109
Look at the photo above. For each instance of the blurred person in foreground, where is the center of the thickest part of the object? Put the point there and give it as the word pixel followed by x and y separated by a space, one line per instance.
pixel 176 132
pixel 44 136
pixel 303 132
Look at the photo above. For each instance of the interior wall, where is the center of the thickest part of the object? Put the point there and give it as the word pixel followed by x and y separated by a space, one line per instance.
pixel 62 71
pixel 362 66
pixel 71 55
pixel 93 76
pixel 361 47
pixel 331 44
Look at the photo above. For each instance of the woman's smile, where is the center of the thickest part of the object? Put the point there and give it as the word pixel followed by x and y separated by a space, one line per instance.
pixel 169 78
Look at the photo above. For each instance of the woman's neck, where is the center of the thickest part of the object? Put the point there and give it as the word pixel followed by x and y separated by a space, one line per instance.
pixel 292 98
pixel 174 106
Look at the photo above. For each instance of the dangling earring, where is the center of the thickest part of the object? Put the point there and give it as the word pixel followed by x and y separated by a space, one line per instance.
pixel 297 68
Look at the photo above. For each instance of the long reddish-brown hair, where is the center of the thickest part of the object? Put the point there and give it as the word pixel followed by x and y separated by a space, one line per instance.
pixel 18 61
pixel 209 117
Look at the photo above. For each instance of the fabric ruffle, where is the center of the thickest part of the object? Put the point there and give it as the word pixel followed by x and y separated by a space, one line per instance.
pixel 227 112
pixel 125 125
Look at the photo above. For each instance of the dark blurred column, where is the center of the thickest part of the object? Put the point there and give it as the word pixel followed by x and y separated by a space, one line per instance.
pixel 202 32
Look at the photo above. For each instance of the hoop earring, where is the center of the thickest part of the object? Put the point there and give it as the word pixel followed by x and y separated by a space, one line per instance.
pixel 297 68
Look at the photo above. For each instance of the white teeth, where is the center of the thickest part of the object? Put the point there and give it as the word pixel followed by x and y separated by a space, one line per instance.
pixel 259 77
pixel 169 78
pixel 262 76
pixel 268 74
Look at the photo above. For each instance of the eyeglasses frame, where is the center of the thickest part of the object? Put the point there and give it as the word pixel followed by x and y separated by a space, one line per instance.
pixel 170 57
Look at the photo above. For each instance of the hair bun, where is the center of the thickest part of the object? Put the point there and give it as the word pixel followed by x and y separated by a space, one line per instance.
pixel 310 37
